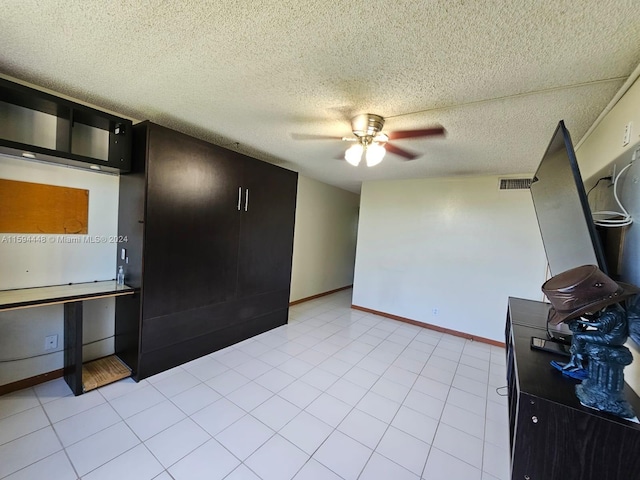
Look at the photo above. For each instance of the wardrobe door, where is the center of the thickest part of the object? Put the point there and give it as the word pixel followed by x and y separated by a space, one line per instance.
pixel 266 232
pixel 191 224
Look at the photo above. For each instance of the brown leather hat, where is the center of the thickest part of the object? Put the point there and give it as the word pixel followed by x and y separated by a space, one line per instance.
pixel 581 290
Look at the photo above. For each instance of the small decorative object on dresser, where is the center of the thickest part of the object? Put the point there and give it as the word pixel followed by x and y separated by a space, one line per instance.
pixel 590 303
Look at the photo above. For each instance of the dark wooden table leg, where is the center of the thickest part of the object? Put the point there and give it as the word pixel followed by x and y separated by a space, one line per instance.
pixel 73 346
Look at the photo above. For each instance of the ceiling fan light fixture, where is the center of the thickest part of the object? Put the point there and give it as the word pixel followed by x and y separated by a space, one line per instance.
pixel 366 125
pixel 353 155
pixel 375 154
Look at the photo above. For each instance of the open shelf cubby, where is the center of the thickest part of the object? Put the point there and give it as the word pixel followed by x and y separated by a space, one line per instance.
pixel 36 125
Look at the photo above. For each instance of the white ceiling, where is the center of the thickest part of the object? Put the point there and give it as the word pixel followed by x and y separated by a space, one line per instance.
pixel 497 74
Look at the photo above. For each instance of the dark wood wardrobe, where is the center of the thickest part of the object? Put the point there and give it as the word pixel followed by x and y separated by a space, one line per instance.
pixel 209 239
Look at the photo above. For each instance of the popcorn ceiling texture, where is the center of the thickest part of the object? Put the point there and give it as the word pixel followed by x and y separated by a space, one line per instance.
pixel 498 74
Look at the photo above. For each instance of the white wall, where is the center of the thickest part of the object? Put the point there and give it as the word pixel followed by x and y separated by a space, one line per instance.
pixel 604 144
pixel 53 263
pixel 22 265
pixel 597 154
pixel 325 238
pixel 448 252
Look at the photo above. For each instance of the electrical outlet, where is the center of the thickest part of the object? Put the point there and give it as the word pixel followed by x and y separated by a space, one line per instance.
pixel 627 134
pixel 51 342
pixel 435 311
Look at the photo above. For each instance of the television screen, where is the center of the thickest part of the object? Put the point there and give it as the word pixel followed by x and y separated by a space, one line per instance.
pixel 568 233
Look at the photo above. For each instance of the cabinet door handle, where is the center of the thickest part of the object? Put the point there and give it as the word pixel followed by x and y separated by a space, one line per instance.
pixel 246 200
pixel 239 197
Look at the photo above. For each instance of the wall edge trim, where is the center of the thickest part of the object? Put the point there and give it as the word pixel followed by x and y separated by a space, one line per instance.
pixel 313 297
pixel 429 326
pixel 31 381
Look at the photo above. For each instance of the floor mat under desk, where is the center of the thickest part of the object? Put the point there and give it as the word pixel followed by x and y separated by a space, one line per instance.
pixel 103 371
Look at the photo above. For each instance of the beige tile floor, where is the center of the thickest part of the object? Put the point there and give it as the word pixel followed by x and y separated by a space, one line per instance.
pixel 335 394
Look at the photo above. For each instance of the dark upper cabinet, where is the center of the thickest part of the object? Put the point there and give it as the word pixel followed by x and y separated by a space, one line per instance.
pixel 41 126
pixel 209 244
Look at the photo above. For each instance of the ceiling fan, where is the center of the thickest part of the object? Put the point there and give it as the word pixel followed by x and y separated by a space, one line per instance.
pixel 371 143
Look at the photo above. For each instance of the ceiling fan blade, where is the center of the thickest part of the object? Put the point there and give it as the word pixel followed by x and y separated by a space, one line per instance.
pixel 423 132
pixel 311 136
pixel 399 151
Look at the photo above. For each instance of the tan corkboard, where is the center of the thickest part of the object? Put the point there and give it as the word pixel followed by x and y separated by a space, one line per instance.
pixel 27 207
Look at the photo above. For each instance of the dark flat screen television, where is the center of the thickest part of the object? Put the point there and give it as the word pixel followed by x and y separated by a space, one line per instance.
pixel 568 232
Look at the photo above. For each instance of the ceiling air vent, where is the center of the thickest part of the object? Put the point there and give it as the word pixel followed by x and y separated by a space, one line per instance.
pixel 515 183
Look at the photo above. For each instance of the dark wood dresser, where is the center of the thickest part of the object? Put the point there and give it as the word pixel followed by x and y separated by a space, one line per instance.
pixel 554 437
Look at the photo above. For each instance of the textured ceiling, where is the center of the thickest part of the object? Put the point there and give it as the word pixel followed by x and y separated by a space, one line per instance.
pixel 497 74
